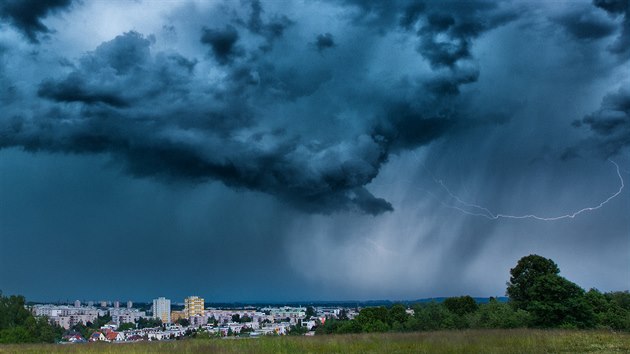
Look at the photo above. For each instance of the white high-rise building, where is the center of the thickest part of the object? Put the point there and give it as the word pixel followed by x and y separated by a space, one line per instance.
pixel 129 304
pixel 162 309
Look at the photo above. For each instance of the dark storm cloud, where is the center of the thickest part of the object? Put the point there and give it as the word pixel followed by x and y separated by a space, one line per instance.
pixel 324 41
pixel 448 85
pixel 611 123
pixel 586 24
pixel 146 111
pixel 617 8
pixel 27 15
pixel 406 127
pixel 271 30
pixel 222 42
pixel 459 28
pixel 411 15
pixel 445 33
pixel 445 29
pixel 155 113
pixel 73 89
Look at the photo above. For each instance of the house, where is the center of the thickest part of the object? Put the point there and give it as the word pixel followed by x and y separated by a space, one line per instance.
pixel 135 338
pixel 112 336
pixel 109 326
pixel 97 336
pixel 74 338
pixel 309 324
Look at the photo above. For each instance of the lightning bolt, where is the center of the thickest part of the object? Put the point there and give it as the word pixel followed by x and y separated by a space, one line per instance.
pixel 479 210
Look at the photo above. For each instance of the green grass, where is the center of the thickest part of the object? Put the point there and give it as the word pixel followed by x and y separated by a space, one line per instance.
pixel 468 341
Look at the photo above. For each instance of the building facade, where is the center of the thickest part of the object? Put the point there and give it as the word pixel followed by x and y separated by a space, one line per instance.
pixel 194 306
pixel 162 309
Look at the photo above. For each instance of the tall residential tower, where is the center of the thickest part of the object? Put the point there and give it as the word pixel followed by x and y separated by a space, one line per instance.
pixel 194 306
pixel 162 309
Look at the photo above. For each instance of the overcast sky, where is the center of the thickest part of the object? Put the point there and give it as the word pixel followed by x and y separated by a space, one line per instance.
pixel 310 150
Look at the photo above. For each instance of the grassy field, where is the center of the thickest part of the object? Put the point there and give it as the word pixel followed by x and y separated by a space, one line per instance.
pixel 469 341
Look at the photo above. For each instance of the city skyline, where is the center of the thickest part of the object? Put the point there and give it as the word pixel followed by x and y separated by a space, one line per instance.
pixel 264 151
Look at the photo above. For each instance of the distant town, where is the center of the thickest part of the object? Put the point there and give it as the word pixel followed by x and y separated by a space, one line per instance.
pixel 124 322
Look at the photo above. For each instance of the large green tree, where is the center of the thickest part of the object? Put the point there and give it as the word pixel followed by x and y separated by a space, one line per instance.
pixel 523 277
pixel 536 286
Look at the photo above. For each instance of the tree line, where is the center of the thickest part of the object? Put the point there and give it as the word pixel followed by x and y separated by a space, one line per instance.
pixel 538 298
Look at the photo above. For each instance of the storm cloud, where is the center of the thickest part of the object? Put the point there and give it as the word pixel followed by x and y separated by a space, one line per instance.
pixel 618 8
pixel 324 41
pixel 218 130
pixel 27 15
pixel 223 43
pixel 610 123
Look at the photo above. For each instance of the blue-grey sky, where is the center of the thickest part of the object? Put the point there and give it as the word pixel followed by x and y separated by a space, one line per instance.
pixel 310 150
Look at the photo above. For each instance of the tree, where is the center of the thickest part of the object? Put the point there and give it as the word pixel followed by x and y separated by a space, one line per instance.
pixel 461 305
pixel 18 325
pixel 556 301
pixel 433 316
pixel 373 319
pixel 499 315
pixel 126 326
pixel 537 287
pixel 397 314
pixel 184 322
pixel 149 322
pixel 83 329
pixel 101 321
pixel 297 330
pixel 310 312
pixel 236 317
pixel 524 276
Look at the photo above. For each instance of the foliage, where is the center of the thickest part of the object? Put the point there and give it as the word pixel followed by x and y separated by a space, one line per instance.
pixel 525 275
pixel 82 329
pixel 126 326
pixel 184 322
pixel 310 312
pixel 461 305
pixel 101 321
pixel 149 322
pixel 18 325
pixel 553 301
pixel 297 330
pixel 499 315
pixel 433 316
pixel 611 310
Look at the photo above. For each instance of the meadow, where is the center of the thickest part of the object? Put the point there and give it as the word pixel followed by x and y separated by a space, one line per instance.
pixel 456 341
